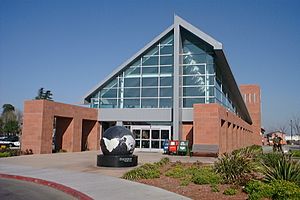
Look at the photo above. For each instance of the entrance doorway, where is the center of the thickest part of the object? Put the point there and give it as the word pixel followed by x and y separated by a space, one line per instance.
pixel 150 138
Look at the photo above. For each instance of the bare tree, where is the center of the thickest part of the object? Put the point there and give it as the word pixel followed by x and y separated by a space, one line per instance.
pixel 296 124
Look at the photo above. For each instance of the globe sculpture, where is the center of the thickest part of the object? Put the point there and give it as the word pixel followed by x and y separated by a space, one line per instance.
pixel 117 145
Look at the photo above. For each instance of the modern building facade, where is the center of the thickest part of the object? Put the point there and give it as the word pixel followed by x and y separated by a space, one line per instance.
pixel 179 86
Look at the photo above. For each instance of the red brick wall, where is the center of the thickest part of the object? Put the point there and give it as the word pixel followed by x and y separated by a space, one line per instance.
pixel 217 129
pixel 38 126
pixel 251 95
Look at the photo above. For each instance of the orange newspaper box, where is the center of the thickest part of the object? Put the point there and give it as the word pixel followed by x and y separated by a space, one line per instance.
pixel 173 146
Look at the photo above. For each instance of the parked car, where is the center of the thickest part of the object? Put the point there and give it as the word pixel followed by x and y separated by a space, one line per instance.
pixel 11 141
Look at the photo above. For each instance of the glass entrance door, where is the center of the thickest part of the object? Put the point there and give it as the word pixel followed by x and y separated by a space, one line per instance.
pixel 150 138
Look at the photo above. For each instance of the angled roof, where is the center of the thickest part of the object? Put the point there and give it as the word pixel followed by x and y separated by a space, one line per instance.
pixel 220 61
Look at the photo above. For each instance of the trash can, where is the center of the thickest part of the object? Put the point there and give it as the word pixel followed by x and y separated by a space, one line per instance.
pixel 183 148
pixel 173 146
pixel 166 146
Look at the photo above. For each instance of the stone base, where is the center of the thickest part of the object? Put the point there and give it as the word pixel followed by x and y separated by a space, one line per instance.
pixel 117 161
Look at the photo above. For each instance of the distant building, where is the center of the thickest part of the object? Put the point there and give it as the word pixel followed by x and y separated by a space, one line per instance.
pixel 270 136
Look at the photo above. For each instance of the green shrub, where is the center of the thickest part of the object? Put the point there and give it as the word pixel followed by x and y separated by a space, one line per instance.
pixel 163 162
pixel 285 190
pixel 258 190
pixel 5 154
pixel 205 175
pixel 285 169
pixel 235 167
pixel 278 189
pixel 270 159
pixel 146 171
pixel 230 191
pixel 178 171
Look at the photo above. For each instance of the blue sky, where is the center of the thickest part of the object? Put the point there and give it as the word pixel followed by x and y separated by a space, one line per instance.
pixel 68 46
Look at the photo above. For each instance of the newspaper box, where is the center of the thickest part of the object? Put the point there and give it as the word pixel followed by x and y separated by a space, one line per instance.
pixel 166 146
pixel 183 147
pixel 173 146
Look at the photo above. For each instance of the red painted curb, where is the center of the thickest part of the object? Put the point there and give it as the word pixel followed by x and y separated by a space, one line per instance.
pixel 65 189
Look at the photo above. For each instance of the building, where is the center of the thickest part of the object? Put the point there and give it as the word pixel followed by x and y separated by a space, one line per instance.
pixel 180 87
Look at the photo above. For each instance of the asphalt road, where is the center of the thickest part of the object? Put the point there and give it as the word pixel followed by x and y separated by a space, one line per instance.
pixel 24 190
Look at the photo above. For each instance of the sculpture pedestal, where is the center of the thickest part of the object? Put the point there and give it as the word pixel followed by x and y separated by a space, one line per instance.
pixel 117 160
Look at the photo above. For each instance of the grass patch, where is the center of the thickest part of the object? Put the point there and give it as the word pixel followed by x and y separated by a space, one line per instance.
pixel 230 191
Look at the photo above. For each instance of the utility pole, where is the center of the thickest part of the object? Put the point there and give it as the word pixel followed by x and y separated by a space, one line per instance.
pixel 291 131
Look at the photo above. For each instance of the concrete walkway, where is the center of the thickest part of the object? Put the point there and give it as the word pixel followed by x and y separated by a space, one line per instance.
pixel 79 171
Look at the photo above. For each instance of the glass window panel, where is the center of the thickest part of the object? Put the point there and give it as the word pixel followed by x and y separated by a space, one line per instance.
pixel 109 93
pixel 218 84
pixel 166 70
pixel 153 60
pixel 149 92
pixel 145 144
pixel 149 103
pixel 145 134
pixel 210 69
pixel 166 81
pixel 166 92
pixel 193 80
pixel 212 100
pixel 211 91
pixel 165 134
pixel 153 51
pixel 111 84
pixel 165 103
pixel 166 60
pixel 131 103
pixel 194 69
pixel 155 144
pixel 192 49
pixel 218 95
pixel 131 82
pixel 150 81
pixel 137 133
pixel 194 59
pixel 137 63
pixel 108 103
pixel 137 144
pixel 166 50
pixel 150 70
pixel 155 134
pixel 134 70
pixel 211 80
pixel 131 92
pixel 209 59
pixel 193 91
pixel 168 40
pixel 188 102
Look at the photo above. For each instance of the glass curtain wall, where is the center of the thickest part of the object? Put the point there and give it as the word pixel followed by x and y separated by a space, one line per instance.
pixel 202 80
pixel 197 71
pixel 146 83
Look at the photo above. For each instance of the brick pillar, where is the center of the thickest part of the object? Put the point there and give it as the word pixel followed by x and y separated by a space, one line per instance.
pixel 206 129
pixel 94 137
pixel 37 128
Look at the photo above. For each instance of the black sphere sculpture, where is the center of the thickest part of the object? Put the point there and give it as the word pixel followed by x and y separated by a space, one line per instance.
pixel 117 145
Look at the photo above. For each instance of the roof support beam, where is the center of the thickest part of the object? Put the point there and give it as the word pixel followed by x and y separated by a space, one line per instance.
pixel 176 83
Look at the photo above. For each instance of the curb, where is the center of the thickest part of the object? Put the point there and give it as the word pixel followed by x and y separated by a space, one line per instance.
pixel 57 186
